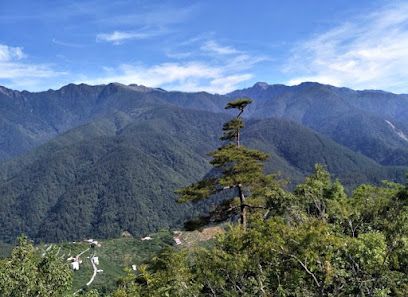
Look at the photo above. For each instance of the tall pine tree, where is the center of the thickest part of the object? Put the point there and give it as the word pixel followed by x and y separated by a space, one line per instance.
pixel 238 167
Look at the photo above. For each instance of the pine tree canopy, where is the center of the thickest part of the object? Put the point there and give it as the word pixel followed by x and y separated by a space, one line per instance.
pixel 197 191
pixel 239 103
pixel 239 165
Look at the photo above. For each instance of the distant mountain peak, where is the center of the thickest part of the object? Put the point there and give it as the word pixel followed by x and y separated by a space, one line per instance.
pixel 310 84
pixel 262 85
pixel 3 89
pixel 140 88
pixel 6 91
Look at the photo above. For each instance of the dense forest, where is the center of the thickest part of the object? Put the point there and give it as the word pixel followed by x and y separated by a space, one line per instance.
pixel 314 240
pixel 72 158
pixel 77 184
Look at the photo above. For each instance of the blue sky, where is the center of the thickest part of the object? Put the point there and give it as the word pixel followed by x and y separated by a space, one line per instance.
pixel 214 46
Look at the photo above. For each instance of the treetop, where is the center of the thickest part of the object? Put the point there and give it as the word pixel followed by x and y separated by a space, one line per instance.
pixel 239 103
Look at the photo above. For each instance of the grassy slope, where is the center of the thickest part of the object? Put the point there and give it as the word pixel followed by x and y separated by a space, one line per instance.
pixel 115 255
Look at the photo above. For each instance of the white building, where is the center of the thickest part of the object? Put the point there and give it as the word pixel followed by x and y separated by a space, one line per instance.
pixel 146 238
pixel 75 265
pixel 95 260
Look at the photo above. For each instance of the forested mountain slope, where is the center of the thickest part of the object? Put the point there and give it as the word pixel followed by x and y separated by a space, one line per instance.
pixel 119 172
pixel 29 119
pixel 374 123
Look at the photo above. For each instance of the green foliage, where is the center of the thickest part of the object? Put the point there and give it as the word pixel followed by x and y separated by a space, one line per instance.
pixel 317 242
pixel 317 190
pixel 231 129
pixel 237 167
pixel 359 120
pixel 239 103
pixel 109 183
pixel 197 191
pixel 26 273
pixel 119 172
pixel 91 293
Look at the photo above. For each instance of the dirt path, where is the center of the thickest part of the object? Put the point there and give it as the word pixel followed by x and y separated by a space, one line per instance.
pixel 94 272
pixel 93 276
pixel 83 252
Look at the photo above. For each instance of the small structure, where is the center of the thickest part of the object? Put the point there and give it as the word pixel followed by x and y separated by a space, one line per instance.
pixel 75 265
pixel 146 238
pixel 177 240
pixel 126 234
pixel 93 243
pixel 134 267
pixel 95 260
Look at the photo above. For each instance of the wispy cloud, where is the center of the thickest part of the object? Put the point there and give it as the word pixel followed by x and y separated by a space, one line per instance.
pixel 369 51
pixel 205 72
pixel 152 21
pixel 118 37
pixel 17 73
pixel 213 47
pixel 67 44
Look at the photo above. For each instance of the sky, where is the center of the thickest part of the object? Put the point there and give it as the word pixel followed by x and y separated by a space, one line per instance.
pixel 213 46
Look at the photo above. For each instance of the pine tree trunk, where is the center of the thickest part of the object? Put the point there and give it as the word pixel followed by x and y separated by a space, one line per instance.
pixel 243 218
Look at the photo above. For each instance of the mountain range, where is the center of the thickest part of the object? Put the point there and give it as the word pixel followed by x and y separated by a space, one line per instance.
pixel 99 160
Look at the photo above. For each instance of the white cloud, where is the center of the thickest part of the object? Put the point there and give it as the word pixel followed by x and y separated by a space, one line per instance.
pixel 369 52
pixel 228 83
pixel 213 46
pixel 8 53
pixel 16 73
pixel 184 76
pixel 220 71
pixel 117 37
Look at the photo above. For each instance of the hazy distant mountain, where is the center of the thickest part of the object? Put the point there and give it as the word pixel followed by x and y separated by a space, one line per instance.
pixel 29 119
pixel 374 123
pixel 371 122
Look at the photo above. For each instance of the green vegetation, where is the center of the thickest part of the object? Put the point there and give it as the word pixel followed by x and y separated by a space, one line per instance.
pixel 315 241
pixel 119 173
pixel 239 168
pixel 115 257
pixel 27 273
pixel 369 122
